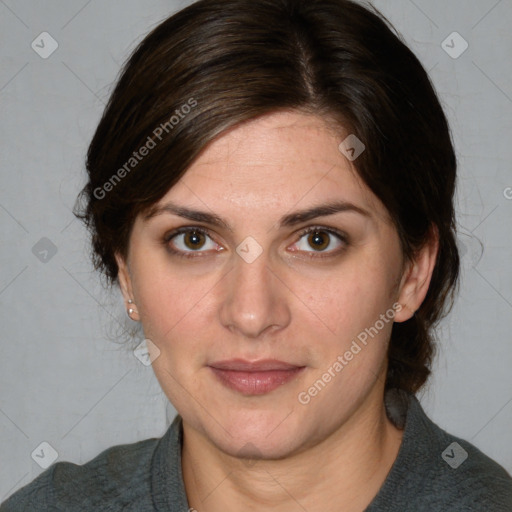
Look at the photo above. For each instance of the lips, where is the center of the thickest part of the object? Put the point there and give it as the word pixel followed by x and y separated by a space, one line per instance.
pixel 241 365
pixel 256 377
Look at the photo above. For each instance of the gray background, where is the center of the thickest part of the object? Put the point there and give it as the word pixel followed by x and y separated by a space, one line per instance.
pixel 68 376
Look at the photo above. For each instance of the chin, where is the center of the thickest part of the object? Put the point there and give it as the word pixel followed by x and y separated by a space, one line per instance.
pixel 260 448
pixel 257 434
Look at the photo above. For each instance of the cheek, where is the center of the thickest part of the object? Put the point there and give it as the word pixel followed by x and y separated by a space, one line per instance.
pixel 348 300
pixel 175 317
pixel 360 319
pixel 173 305
pixel 355 346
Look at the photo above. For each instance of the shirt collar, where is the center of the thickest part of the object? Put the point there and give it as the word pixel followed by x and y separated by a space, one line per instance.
pixel 167 487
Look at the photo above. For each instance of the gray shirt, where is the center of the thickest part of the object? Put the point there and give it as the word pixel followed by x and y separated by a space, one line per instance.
pixel 434 471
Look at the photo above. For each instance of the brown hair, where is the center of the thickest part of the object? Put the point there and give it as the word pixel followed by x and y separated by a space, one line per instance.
pixel 218 63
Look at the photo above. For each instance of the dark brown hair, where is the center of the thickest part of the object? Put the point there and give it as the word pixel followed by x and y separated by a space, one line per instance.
pixel 218 63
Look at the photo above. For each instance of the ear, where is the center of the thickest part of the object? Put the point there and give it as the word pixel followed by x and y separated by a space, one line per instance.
pixel 416 278
pixel 125 284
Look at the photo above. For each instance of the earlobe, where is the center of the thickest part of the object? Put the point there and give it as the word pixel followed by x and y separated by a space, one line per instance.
pixel 416 278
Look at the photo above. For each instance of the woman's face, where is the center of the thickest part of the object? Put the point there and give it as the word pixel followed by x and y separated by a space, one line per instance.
pixel 262 280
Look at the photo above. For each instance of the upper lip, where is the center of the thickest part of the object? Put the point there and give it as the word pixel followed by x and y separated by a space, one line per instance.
pixel 242 365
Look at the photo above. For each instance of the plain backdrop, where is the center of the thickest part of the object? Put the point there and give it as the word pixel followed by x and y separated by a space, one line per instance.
pixel 68 376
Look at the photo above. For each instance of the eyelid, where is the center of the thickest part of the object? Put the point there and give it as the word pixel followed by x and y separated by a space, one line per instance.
pixel 333 231
pixel 186 229
pixel 342 236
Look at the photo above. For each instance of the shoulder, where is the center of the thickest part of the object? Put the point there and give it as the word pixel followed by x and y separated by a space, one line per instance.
pixel 435 470
pixel 461 477
pixel 119 475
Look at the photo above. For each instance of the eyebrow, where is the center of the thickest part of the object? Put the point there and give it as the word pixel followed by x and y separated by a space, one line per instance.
pixel 289 220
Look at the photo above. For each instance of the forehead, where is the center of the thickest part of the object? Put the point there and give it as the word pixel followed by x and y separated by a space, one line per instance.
pixel 274 162
pixel 278 139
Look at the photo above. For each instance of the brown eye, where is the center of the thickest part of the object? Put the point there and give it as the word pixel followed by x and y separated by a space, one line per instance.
pixel 188 241
pixel 319 240
pixel 194 239
pixel 322 241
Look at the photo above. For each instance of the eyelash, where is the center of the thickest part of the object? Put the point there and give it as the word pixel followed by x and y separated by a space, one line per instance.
pixel 312 254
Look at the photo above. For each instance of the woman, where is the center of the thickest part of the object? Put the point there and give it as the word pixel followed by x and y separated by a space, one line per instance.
pixel 271 186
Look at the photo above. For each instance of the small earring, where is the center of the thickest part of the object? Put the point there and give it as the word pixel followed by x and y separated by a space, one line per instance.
pixel 130 311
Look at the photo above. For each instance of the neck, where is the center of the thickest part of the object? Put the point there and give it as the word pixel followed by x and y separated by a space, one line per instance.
pixel 344 471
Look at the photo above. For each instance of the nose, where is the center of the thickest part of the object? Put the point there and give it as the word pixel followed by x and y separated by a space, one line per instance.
pixel 255 299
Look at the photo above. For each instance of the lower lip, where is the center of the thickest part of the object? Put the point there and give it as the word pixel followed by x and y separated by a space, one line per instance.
pixel 255 383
